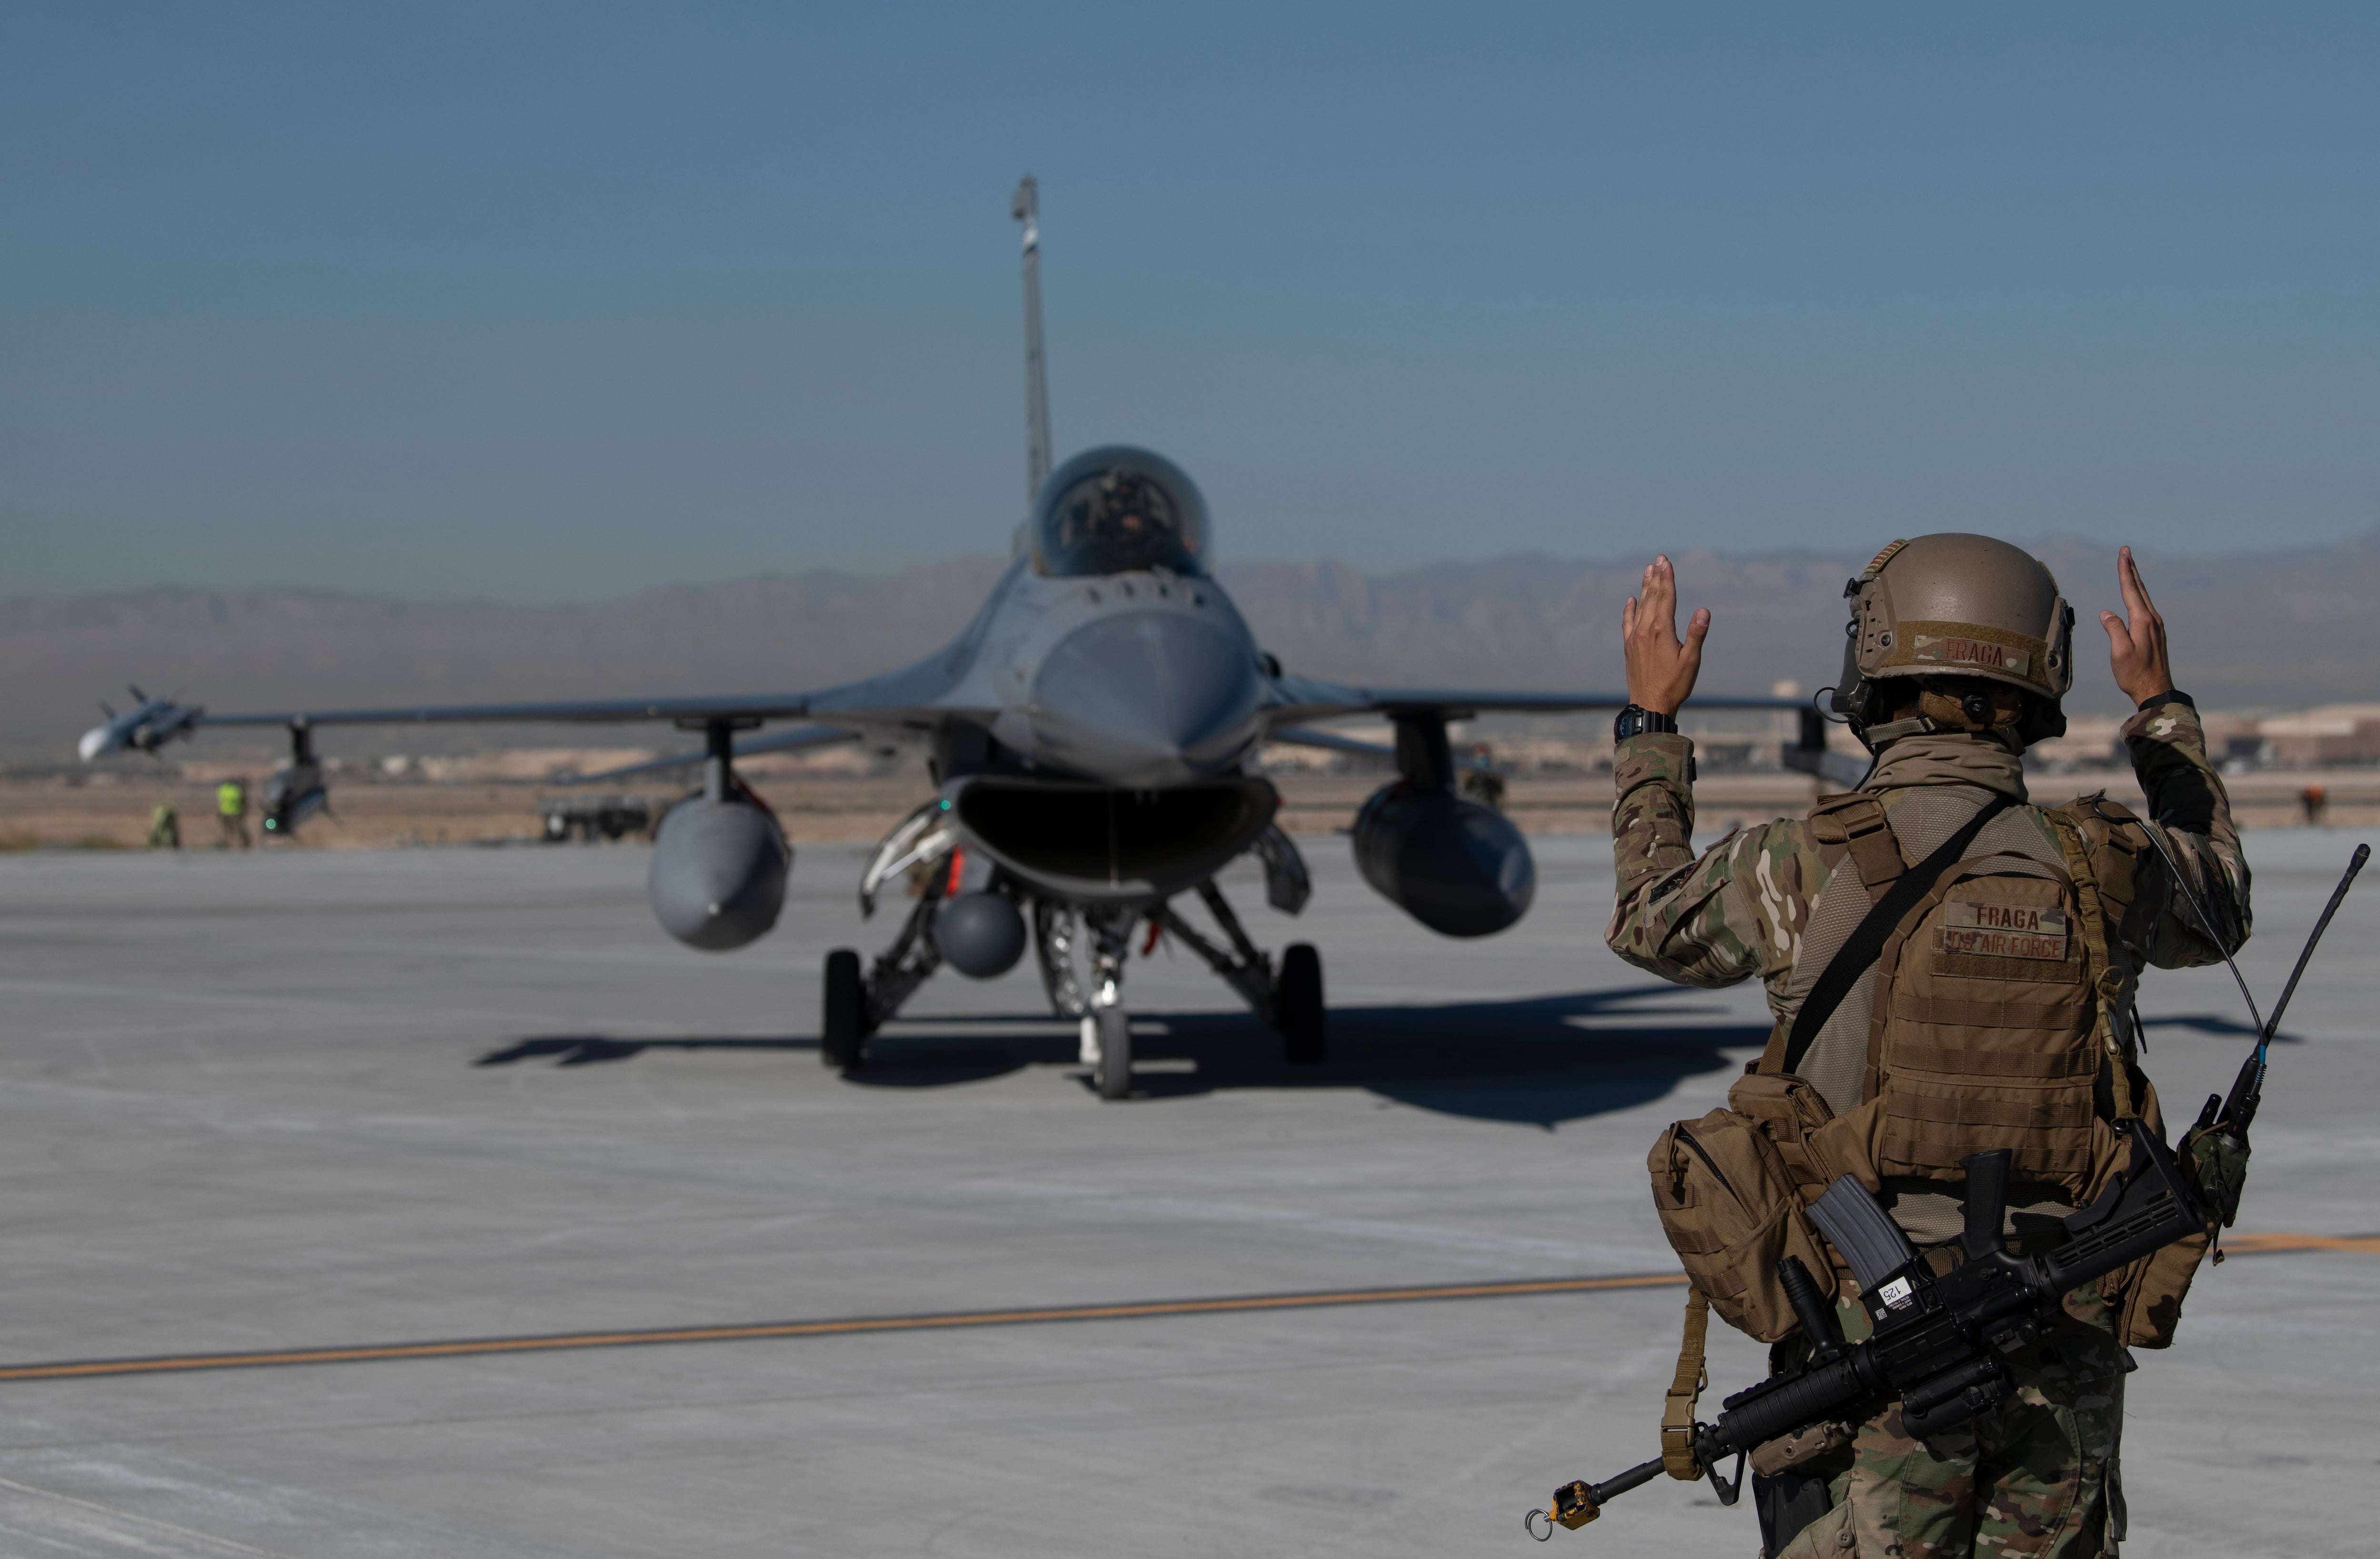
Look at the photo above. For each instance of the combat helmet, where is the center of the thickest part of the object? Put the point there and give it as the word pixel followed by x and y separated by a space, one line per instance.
pixel 1955 606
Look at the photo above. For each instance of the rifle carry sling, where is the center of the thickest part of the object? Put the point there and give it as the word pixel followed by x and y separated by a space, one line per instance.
pixel 1677 1457
pixel 1865 945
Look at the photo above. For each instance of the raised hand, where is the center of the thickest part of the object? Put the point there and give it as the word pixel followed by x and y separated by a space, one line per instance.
pixel 1661 671
pixel 2136 650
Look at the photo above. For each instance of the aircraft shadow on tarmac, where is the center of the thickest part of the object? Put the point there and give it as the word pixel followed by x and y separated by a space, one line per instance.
pixel 2221 1027
pixel 1535 1060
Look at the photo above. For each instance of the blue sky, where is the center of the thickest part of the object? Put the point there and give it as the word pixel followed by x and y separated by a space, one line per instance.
pixel 547 303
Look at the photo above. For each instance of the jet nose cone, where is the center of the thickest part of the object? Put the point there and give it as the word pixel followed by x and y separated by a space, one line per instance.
pixel 1147 699
pixel 98 740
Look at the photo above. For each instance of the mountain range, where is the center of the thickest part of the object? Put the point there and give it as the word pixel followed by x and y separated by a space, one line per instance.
pixel 2275 629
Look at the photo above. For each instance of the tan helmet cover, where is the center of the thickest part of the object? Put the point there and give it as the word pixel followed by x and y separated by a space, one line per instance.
pixel 1960 605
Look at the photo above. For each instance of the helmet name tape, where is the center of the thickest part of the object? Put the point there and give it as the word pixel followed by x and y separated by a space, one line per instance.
pixel 1968 645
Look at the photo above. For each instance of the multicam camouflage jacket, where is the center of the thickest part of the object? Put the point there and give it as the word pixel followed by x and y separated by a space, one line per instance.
pixel 1741 907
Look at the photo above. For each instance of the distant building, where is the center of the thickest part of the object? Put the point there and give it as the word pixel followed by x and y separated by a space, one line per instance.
pixel 2090 742
pixel 2339 732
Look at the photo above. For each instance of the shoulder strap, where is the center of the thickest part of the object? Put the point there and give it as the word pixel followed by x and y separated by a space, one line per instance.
pixel 1678 1406
pixel 1873 849
pixel 1859 950
pixel 2108 977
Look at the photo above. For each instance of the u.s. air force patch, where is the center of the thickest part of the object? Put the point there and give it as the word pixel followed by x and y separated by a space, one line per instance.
pixel 2004 930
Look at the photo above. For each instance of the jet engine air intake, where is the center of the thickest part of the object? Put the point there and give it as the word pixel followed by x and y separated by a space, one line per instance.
pixel 1092 842
pixel 1458 867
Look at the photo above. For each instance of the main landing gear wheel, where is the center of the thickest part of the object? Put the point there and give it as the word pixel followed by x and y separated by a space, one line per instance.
pixel 843 1023
pixel 1113 1071
pixel 1297 1004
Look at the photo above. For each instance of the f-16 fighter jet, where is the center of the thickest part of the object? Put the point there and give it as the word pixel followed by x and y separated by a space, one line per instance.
pixel 1092 736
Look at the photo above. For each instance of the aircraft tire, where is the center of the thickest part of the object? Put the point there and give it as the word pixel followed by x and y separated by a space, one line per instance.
pixel 1114 1073
pixel 1297 1005
pixel 843 1022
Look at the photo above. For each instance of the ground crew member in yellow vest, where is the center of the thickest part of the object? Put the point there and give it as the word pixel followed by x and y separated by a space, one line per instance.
pixel 1997 1016
pixel 231 811
pixel 165 827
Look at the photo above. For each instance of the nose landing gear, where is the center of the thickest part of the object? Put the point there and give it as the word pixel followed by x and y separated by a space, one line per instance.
pixel 1106 1026
pixel 856 1000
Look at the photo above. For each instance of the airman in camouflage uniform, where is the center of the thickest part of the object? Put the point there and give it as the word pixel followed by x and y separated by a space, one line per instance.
pixel 2038 1478
pixel 1739 909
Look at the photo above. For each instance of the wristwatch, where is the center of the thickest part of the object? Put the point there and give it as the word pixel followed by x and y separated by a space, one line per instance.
pixel 1635 719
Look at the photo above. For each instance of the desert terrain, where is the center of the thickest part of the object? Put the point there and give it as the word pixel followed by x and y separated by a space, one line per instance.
pixel 111 809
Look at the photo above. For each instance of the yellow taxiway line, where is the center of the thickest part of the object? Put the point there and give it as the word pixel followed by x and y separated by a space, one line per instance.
pixel 940 1321
pixel 2237 1244
pixel 2268 1245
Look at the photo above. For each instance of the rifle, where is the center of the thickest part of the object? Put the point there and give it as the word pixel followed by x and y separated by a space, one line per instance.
pixel 1938 1338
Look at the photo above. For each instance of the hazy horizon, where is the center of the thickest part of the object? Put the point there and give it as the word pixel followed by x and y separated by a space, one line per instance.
pixel 2150 552
pixel 2280 628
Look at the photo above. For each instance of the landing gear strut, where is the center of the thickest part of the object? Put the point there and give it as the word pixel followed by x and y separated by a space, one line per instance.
pixel 1066 938
pixel 1291 1002
pixel 1054 928
pixel 1107 1028
pixel 856 1006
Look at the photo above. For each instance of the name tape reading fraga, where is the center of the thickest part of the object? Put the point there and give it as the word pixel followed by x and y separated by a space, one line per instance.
pixel 2004 930
pixel 1969 651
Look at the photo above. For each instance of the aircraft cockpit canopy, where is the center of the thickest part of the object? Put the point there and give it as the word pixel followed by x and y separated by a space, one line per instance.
pixel 1116 510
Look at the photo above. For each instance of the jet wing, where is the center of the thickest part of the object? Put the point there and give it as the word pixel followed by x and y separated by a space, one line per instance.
pixel 880 702
pixel 784 741
pixel 915 698
pixel 1329 741
pixel 754 706
pixel 1304 698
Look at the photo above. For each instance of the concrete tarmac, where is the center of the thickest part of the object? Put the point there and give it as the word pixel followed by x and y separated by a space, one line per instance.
pixel 311 1099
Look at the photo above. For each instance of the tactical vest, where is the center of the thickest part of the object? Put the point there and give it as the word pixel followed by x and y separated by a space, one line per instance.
pixel 2001 1001
pixel 1999 1020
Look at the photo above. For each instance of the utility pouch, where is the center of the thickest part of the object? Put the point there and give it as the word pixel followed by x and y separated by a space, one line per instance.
pixel 1789 1113
pixel 2151 1303
pixel 2146 1296
pixel 1729 1205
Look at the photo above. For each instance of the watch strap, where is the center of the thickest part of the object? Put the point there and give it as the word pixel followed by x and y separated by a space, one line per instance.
pixel 1637 721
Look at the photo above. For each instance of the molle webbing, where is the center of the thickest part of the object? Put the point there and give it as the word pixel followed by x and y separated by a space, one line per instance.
pixel 1999 1019
pixel 1858 954
pixel 1979 1015
pixel 1917 1056
pixel 2109 980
